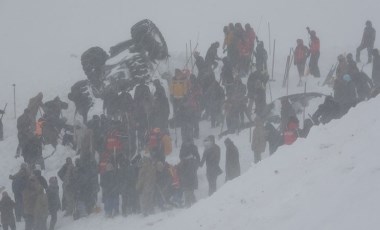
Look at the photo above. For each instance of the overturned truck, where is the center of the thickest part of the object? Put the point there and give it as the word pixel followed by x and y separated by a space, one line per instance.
pixel 126 64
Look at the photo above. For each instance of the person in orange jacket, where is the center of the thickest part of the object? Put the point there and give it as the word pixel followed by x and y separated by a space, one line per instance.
pixel 314 47
pixel 290 134
pixel 301 53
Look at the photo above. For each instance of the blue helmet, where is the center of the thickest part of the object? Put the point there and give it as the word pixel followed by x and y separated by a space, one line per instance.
pixel 347 77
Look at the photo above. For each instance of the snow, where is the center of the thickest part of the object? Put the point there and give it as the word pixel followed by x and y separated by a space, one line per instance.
pixel 328 181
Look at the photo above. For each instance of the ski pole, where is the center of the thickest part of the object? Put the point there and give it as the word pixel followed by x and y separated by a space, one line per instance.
pixel 192 51
pixel 274 49
pixel 5 107
pixel 311 118
pixel 270 92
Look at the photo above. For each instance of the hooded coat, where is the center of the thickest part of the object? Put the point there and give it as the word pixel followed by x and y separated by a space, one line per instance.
pixel 212 158
pixel 146 184
pixel 259 138
pixel 189 164
pixel 7 206
pixel 232 160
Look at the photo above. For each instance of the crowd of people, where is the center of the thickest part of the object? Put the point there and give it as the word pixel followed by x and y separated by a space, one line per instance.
pixel 123 151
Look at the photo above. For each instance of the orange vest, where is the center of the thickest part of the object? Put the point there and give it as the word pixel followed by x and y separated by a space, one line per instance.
pixel 179 87
pixel 175 178
pixel 38 128
pixel 167 141
pixel 314 45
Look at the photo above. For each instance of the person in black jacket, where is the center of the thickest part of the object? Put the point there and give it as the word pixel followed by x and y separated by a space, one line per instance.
pixel 362 82
pixel 327 111
pixel 189 163
pixel 227 75
pixel 80 95
pixel 211 156
pixel 1 125
pixel 40 178
pixel 127 178
pixel 109 185
pixel 345 93
pixel 376 68
pixel 25 127
pixel 274 139
pixel 19 181
pixel 211 57
pixel 7 205
pixel 232 160
pixel 214 102
pixel 66 174
pixel 54 203
pixel 368 40
pixel 261 57
pixel 160 110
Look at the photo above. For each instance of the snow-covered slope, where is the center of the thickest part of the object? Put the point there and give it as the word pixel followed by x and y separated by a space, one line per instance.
pixel 328 181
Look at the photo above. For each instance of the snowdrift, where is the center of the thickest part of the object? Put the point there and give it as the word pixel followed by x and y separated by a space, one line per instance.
pixel 324 182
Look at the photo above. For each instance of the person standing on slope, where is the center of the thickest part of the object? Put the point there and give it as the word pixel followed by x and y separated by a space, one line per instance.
pixel 212 55
pixel 7 205
pixel 211 156
pixel 261 56
pixel 1 125
pixel 189 163
pixel 376 68
pixel 368 41
pixel 232 160
pixel 301 53
pixel 314 47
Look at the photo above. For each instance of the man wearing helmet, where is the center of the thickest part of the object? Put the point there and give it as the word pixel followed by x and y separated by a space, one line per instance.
pixel 368 40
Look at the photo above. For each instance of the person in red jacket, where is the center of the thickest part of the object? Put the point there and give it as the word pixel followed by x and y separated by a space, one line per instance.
pixel 314 53
pixel 290 134
pixel 300 55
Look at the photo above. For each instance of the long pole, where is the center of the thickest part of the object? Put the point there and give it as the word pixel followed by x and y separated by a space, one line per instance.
pixel 274 52
pixel 14 99
pixel 5 107
pixel 270 51
pixel 186 58
pixel 270 92
pixel 191 56
pixel 259 27
pixel 304 106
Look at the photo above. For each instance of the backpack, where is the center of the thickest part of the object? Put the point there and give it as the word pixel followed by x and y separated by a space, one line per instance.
pixel 103 161
pixel 167 141
pixel 174 176
pixel 179 85
pixel 290 133
pixel 39 127
pixel 113 141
